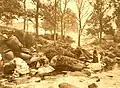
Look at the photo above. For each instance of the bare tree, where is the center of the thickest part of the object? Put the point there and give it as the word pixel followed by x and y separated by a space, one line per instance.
pixel 24 6
pixel 55 23
pixel 83 14
pixel 63 4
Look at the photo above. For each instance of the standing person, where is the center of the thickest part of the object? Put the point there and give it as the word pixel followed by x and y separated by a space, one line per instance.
pixel 95 56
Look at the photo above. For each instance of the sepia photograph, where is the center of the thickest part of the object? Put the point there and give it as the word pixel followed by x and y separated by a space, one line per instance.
pixel 59 43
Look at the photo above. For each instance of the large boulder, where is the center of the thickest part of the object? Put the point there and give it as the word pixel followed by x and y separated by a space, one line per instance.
pixel 66 63
pixel 21 66
pixel 9 68
pixel 14 43
pixel 109 63
pixel 50 51
pixel 8 55
pixel 46 69
pixel 27 39
pixel 25 56
pixel 96 66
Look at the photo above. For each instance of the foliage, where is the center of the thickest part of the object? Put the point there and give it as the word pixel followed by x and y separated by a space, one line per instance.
pixel 100 21
pixel 70 20
pixel 106 24
pixel 9 9
pixel 47 11
pixel 116 13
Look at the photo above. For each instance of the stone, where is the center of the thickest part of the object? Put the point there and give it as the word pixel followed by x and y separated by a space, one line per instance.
pixel 46 69
pixel 96 66
pixel 111 55
pixel 118 46
pixel 66 85
pixel 8 55
pixel 9 68
pixel 14 44
pixel 25 50
pixel 110 62
pixel 25 56
pixel 21 66
pixel 87 72
pixel 33 72
pixel 66 63
pixel 93 85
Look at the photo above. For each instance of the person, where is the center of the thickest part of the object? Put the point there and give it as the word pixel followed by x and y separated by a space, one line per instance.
pixel 95 56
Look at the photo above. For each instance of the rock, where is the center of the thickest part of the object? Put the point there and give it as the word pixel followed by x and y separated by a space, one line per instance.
pixel 111 48
pixel 26 39
pixel 46 69
pixel 21 80
pixel 109 63
pixel 77 52
pixel 66 85
pixel 21 66
pixel 51 53
pixel 38 60
pixel 118 46
pixel 108 37
pixel 107 44
pixel 9 68
pixel 29 40
pixel 34 79
pixel 93 85
pixel 44 61
pixel 8 55
pixel 98 80
pixel 118 61
pixel 87 72
pixel 14 44
pixel 25 50
pixel 66 63
pixel 117 36
pixel 33 72
pixel 42 40
pixel 76 73
pixel 4 48
pixel 111 55
pixel 25 56
pixel 96 66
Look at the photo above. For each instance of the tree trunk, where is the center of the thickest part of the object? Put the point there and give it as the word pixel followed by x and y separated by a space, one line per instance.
pixel 64 30
pixel 36 18
pixel 101 29
pixel 61 28
pixel 79 33
pixel 79 37
pixel 55 26
pixel 27 26
pixel 24 27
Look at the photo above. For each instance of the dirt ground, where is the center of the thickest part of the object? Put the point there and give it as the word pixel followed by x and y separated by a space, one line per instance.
pixel 110 79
